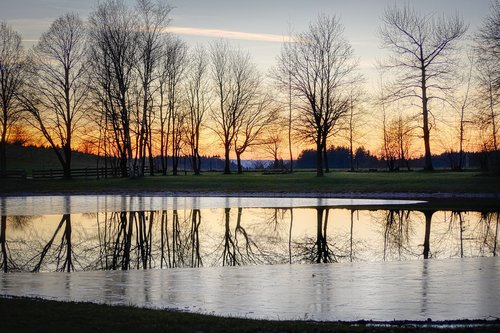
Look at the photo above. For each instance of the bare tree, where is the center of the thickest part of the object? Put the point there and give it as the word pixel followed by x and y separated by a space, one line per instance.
pixel 353 121
pixel 198 102
pixel 487 104
pixel 11 79
pixel 235 82
pixel 176 66
pixel 423 48
pixel 55 94
pixel 323 66
pixel 462 105
pixel 400 138
pixel 488 42
pixel 273 141
pixel 488 76
pixel 172 112
pixel 113 48
pixel 153 18
pixel 258 116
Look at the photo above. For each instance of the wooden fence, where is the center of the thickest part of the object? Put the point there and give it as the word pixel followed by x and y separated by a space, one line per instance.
pixel 76 173
pixel 18 174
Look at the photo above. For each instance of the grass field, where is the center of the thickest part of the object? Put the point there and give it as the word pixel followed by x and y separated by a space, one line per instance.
pixel 31 315
pixel 298 182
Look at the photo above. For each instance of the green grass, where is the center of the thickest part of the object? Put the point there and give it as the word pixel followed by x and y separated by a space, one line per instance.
pixel 32 315
pixel 299 182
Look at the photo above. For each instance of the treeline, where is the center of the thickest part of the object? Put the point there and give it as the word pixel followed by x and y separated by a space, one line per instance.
pixel 362 159
pixel 123 88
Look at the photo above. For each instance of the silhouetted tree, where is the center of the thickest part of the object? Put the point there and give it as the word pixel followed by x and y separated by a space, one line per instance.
pixel 323 67
pixel 153 18
pixel 56 92
pixel 422 49
pixel 176 64
pixel 236 82
pixel 12 76
pixel 198 102
pixel 113 33
pixel 250 130
pixel 488 43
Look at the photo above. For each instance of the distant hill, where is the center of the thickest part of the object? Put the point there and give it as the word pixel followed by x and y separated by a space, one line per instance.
pixel 30 157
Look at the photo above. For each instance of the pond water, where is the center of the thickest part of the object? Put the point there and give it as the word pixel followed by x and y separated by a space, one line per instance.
pixel 136 250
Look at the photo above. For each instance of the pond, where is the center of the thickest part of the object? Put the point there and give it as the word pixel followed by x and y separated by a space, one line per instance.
pixel 136 250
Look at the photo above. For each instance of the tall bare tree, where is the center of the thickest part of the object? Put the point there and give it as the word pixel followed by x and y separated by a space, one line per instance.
pixel 423 49
pixel 488 41
pixel 488 104
pixel 353 122
pixel 488 76
pixel 462 105
pixel 198 102
pixel 55 94
pixel 323 67
pixel 176 64
pixel 113 33
pixel 153 18
pixel 12 68
pixel 235 82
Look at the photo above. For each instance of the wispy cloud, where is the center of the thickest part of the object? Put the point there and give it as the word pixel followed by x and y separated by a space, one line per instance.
pixel 228 34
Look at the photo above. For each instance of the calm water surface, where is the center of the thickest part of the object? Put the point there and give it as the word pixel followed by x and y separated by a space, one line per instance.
pixel 382 251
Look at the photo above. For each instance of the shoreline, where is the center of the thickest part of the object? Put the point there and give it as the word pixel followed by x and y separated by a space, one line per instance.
pixel 273 194
pixel 197 322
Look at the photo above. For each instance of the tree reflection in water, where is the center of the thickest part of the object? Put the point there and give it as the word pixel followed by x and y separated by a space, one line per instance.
pixel 487 228
pixel 239 247
pixel 179 238
pixel 62 255
pixel 318 249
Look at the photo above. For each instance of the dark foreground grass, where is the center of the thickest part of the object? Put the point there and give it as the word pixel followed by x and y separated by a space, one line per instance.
pixel 31 315
pixel 251 182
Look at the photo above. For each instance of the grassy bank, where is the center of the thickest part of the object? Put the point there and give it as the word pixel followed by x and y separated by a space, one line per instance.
pixel 29 315
pixel 299 182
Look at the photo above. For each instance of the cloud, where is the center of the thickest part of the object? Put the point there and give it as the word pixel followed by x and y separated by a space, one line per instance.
pixel 219 33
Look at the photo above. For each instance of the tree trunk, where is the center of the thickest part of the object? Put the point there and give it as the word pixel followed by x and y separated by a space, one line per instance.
pixel 238 159
pixel 425 113
pixel 3 159
pixel 319 159
pixel 196 162
pixel 227 162
pixel 67 162
pixel 325 158
pixel 123 165
pixel 351 154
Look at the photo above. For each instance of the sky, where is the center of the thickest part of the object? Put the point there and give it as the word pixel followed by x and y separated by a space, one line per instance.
pixel 258 26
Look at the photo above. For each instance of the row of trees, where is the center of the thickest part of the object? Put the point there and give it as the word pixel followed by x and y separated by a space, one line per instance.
pixel 136 92
pixel 140 87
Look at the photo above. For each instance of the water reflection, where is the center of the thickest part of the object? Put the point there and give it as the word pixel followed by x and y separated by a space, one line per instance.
pixel 173 238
